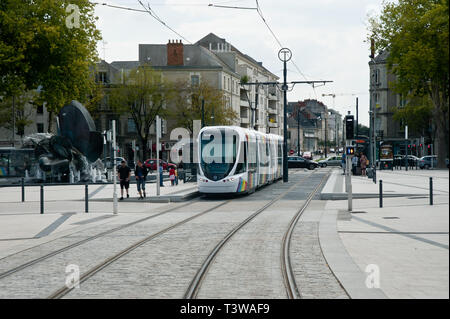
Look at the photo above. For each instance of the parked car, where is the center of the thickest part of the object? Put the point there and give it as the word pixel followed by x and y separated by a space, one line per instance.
pixel 108 164
pixel 425 162
pixel 151 164
pixel 331 161
pixel 307 155
pixel 300 162
pixel 399 160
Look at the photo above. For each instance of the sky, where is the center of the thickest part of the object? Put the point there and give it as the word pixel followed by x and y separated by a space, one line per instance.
pixel 326 37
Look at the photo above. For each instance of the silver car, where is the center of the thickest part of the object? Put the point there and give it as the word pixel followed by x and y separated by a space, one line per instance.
pixel 331 161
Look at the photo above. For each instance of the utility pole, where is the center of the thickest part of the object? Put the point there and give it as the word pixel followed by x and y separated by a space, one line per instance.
pixel 158 136
pixel 113 160
pixel 14 121
pixel 285 55
pixel 326 129
pixel 357 121
pixel 298 132
pixel 203 111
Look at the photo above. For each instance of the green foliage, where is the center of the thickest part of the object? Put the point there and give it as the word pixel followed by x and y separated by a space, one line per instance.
pixel 188 106
pixel 363 130
pixel 417 114
pixel 416 35
pixel 39 48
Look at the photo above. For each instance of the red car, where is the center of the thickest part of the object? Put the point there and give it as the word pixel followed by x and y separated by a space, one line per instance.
pixel 151 164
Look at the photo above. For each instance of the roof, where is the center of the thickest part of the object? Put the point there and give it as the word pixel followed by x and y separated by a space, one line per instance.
pixel 214 39
pixel 195 56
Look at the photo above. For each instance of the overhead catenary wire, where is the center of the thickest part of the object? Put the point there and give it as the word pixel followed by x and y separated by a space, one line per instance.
pixel 148 10
pixel 155 16
pixel 280 44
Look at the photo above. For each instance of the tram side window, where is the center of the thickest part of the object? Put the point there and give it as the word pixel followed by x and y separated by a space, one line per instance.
pixel 242 163
pixel 252 155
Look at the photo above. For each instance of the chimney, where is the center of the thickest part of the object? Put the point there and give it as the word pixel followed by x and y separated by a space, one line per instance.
pixel 175 53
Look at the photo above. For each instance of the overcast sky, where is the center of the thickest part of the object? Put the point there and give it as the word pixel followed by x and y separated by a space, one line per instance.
pixel 325 36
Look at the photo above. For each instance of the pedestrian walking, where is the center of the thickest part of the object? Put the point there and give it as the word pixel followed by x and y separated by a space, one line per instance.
pixel 140 172
pixel 161 176
pixel 176 176
pixel 172 176
pixel 343 162
pixel 364 162
pixel 355 160
pixel 124 173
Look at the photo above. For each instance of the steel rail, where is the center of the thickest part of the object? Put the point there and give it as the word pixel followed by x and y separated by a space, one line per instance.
pixel 286 267
pixel 81 242
pixel 65 290
pixel 195 285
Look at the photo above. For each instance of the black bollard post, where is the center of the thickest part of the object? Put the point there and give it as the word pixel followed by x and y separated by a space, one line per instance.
pixel 42 198
pixel 381 193
pixel 431 190
pixel 23 190
pixel 86 198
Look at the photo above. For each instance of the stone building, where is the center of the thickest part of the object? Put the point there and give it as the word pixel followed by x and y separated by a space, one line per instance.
pixel 211 60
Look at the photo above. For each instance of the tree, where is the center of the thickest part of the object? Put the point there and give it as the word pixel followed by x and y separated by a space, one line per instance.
pixel 188 106
pixel 14 112
pixel 416 35
pixel 48 44
pixel 417 114
pixel 363 130
pixel 143 95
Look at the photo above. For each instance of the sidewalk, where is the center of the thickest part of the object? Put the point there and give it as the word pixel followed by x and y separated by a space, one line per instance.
pixel 407 240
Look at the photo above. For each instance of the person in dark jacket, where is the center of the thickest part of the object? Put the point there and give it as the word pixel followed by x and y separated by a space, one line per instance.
pixel 140 172
pixel 124 176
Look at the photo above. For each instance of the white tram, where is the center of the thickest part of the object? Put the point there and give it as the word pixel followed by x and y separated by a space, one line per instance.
pixel 237 160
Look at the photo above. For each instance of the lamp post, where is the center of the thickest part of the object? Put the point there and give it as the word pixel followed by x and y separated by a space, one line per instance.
pixel 285 55
pixel 298 132
pixel 203 110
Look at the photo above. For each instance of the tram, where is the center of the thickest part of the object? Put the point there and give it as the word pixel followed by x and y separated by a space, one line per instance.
pixel 237 160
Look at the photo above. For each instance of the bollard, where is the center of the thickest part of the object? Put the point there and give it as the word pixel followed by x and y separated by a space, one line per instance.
pixel 381 193
pixel 23 190
pixel 86 198
pixel 431 190
pixel 42 198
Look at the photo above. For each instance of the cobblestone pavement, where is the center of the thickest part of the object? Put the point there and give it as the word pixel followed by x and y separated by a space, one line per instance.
pixel 313 276
pixel 43 278
pixel 247 267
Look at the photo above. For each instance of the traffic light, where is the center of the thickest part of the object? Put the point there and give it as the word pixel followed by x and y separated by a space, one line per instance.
pixel 349 127
pixel 350 151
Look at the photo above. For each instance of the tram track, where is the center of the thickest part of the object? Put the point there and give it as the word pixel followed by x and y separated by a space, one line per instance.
pixel 81 242
pixel 85 276
pixel 196 283
pixel 286 267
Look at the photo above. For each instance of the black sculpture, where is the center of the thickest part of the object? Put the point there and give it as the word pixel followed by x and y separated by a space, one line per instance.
pixel 77 143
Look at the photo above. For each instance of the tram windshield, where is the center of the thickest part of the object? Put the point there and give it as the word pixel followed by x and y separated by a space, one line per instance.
pixel 218 153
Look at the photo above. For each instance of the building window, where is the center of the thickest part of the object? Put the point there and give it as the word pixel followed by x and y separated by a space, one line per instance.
pixel 131 126
pixel 40 127
pixel 40 109
pixel 195 80
pixel 102 77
